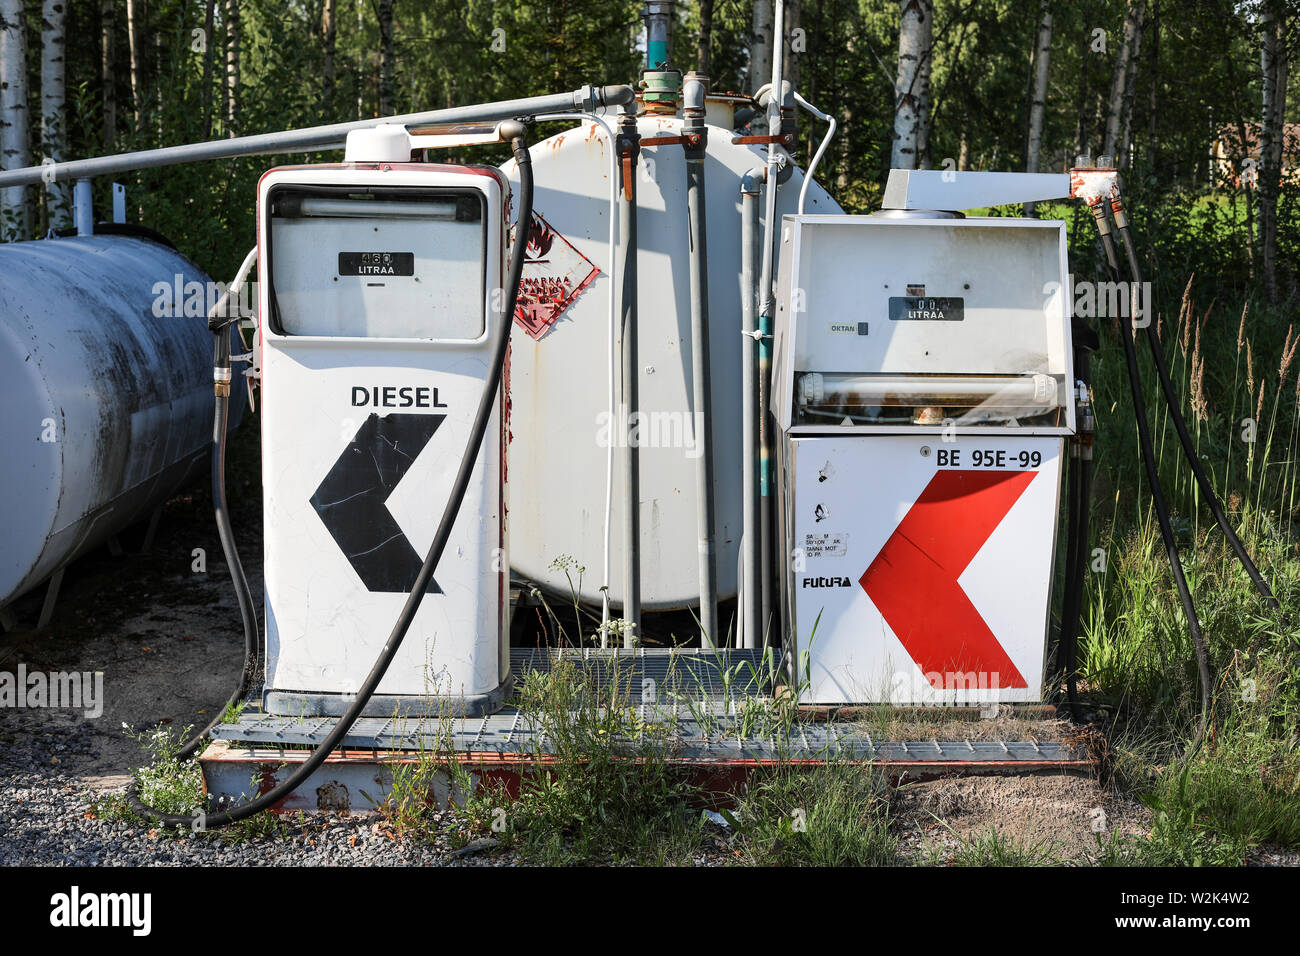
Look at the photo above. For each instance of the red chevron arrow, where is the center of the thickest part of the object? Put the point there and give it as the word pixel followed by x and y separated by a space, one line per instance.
pixel 913 580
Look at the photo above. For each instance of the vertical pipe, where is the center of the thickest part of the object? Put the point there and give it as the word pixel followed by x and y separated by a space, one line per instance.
pixel 612 358
pixel 696 138
pixel 751 609
pixel 775 160
pixel 83 208
pixel 658 33
pixel 629 148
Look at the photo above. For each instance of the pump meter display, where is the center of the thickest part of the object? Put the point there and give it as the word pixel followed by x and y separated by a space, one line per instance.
pixel 383 262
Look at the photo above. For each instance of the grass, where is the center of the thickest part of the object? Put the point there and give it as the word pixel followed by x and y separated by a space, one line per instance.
pixel 835 814
pixel 605 790
pixel 993 847
pixel 1240 789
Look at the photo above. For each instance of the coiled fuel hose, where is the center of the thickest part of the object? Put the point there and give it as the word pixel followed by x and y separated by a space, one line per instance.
pixel 200 821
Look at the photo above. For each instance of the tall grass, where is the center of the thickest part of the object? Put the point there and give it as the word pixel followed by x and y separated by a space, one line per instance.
pixel 1234 370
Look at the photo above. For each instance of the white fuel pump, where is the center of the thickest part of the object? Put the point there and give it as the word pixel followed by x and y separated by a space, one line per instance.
pixel 380 292
pixel 924 389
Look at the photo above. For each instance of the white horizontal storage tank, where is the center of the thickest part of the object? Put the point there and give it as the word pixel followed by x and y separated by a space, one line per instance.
pixel 558 380
pixel 106 390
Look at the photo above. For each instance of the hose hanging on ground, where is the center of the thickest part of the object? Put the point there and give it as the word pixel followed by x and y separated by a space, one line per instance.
pixel 1153 478
pixel 1180 424
pixel 450 512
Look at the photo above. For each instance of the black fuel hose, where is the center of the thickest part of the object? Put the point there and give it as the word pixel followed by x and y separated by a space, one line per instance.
pixel 1069 599
pixel 1184 436
pixel 1153 478
pixel 450 512
pixel 221 509
pixel 1079 490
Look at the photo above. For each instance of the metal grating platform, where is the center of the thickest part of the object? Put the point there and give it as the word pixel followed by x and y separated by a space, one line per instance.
pixel 712 711
pixel 686 738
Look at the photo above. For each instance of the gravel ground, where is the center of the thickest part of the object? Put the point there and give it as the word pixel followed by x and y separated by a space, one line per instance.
pixel 47 819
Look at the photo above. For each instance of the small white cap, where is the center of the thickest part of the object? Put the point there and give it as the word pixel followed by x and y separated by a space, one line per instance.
pixel 385 143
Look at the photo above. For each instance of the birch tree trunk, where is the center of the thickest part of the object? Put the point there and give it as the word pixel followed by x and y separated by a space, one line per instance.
pixel 1130 94
pixel 107 69
pixel 15 215
pixel 1119 78
pixel 209 46
pixel 1038 100
pixel 793 49
pixel 328 30
pixel 134 37
pixel 760 58
pixel 704 42
pixel 912 87
pixel 233 31
pixel 53 96
pixel 387 57
pixel 1273 67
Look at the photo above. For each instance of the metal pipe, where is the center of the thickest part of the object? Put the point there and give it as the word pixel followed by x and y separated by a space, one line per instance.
pixel 831 126
pixel 775 161
pixel 658 33
pixel 612 359
pixel 313 138
pixel 83 208
pixel 750 590
pixel 696 139
pixel 629 148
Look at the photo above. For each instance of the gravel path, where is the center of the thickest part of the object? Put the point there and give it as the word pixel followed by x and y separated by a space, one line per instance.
pixel 47 819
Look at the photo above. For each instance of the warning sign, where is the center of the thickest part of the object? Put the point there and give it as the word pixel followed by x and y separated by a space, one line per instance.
pixel 554 274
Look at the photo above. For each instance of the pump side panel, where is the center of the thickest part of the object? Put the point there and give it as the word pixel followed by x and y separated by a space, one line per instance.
pixel 923 568
pixel 334 583
pixel 561 429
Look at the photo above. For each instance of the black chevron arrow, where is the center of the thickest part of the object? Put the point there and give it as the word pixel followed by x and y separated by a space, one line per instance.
pixel 351 500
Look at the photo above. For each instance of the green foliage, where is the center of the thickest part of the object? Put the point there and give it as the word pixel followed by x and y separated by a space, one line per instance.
pixel 835 814
pixel 603 789
pixel 992 847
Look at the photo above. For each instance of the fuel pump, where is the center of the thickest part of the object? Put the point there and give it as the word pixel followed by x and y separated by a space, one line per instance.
pixel 924 392
pixel 380 287
pixel 396 337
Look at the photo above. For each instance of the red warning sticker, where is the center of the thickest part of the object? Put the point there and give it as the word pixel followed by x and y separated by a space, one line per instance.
pixel 554 274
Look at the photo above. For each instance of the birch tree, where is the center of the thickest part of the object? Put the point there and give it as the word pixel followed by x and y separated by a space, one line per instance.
pixel 912 86
pixel 1038 101
pixel 15 216
pixel 328 30
pixel 53 96
pixel 209 45
pixel 134 38
pixel 387 56
pixel 1272 133
pixel 1124 62
pixel 233 36
pixel 704 41
pixel 760 58
pixel 107 74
